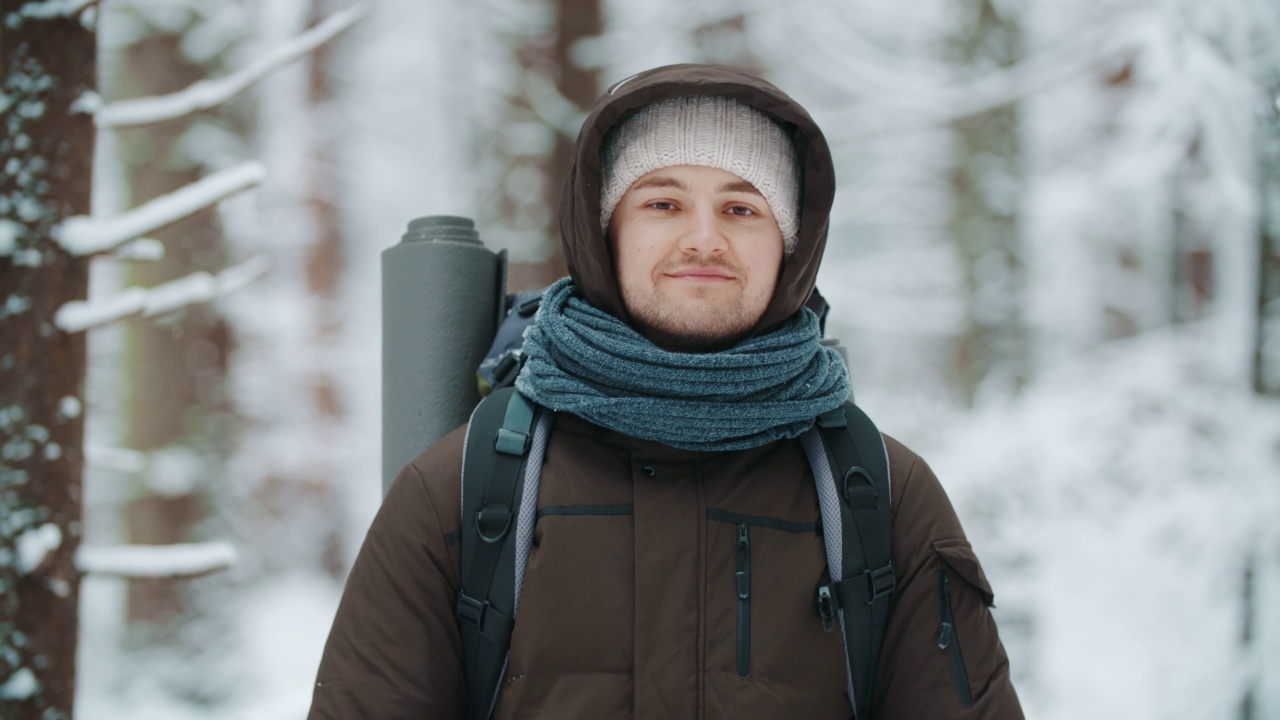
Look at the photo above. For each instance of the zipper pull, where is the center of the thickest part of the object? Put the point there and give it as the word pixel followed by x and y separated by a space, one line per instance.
pixel 944 640
pixel 826 609
pixel 744 556
pixel 944 607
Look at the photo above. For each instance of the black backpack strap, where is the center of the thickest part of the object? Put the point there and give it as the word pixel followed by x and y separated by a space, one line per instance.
pixel 497 445
pixel 859 465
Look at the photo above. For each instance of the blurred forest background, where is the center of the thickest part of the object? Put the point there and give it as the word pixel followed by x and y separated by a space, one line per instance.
pixel 1055 259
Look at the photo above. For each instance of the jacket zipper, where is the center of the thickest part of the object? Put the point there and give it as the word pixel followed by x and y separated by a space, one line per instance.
pixel 744 600
pixel 950 642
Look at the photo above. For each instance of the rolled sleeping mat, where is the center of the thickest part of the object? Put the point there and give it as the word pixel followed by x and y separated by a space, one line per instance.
pixel 442 293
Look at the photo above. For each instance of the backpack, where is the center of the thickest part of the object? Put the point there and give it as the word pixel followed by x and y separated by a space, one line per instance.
pixel 502 461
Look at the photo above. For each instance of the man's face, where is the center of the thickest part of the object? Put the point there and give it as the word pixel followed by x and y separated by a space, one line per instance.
pixel 697 252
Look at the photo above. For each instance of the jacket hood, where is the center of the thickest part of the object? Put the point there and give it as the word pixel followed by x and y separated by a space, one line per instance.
pixel 586 251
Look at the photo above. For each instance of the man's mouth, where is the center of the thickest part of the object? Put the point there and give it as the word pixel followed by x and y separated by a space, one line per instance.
pixel 701 273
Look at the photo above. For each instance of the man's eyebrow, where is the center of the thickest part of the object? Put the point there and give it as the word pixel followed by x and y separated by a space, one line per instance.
pixel 739 186
pixel 660 181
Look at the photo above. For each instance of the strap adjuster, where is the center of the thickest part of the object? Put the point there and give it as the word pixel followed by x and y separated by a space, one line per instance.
pixel 511 442
pixel 880 582
pixel 833 419
pixel 507 368
pixel 470 610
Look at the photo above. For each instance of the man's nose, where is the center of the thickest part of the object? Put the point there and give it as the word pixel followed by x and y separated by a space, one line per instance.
pixel 703 234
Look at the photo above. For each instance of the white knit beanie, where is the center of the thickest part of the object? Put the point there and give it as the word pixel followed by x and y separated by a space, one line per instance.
pixel 707 131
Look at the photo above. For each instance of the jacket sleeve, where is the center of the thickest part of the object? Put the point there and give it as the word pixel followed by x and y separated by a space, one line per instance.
pixel 926 671
pixel 394 650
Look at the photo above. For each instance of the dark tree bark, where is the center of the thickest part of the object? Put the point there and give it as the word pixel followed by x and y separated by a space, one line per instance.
pixel 984 222
pixel 1266 352
pixel 46 151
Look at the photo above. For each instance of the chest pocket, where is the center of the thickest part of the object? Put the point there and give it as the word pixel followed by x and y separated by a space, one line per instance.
pixel 762 622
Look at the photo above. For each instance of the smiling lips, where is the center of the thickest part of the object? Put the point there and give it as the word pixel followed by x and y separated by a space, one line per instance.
pixel 701 274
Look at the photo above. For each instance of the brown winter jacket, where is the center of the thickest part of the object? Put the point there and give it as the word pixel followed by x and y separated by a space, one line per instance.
pixel 629 602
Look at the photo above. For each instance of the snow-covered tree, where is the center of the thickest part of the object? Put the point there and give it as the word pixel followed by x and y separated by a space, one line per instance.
pixel 47 57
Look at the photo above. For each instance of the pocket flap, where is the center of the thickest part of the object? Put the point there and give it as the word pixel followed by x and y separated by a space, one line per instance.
pixel 958 555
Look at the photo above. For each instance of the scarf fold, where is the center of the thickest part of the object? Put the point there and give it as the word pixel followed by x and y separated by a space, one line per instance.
pixel 581 360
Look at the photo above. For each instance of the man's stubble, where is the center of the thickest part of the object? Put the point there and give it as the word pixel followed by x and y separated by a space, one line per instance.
pixel 687 325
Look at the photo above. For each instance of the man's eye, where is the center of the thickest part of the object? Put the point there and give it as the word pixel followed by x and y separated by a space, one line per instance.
pixel 662 205
pixel 741 211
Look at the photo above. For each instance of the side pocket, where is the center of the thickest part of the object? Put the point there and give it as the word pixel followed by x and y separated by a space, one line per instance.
pixel 949 641
pixel 958 565
pixel 743 577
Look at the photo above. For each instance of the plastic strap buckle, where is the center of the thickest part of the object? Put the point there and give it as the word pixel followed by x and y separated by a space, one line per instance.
pixel 833 419
pixel 507 368
pixel 471 611
pixel 880 582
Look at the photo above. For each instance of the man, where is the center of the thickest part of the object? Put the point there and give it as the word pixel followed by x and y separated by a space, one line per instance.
pixel 682 366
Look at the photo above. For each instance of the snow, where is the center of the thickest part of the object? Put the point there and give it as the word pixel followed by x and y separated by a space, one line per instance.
pixel 117 459
pixel 1117 501
pixel 174 471
pixel 84 235
pixel 205 94
pixel 34 545
pixel 157 561
pixel 50 9
pixel 145 249
pixel 88 103
pixel 21 685
pixel 14 305
pixel 279 625
pixel 199 287
pixel 69 407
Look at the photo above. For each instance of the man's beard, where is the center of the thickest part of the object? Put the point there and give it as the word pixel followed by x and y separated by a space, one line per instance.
pixel 692 327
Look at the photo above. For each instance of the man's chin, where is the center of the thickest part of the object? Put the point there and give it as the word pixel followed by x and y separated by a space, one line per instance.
pixel 712 336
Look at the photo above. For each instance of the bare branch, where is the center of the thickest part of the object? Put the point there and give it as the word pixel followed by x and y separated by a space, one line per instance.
pixel 187 560
pixel 84 235
pixel 206 94
pixel 199 287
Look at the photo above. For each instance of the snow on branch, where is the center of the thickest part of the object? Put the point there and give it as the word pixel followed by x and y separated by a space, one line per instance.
pixel 121 460
pixel 83 234
pixel 185 560
pixel 51 9
pixel 206 94
pixel 551 106
pixel 141 249
pixel 198 287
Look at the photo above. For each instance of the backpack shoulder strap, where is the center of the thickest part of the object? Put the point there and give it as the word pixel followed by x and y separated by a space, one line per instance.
pixel 856 472
pixel 498 444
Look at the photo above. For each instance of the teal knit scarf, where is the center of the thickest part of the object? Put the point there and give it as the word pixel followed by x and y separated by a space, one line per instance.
pixel 584 361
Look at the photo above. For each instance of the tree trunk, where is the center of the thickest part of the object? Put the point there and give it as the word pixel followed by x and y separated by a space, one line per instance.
pixel 47 154
pixel 575 20
pixel 984 217
pixel 178 363
pixel 1266 349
